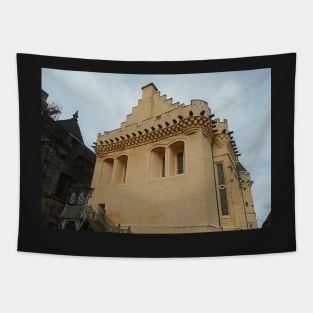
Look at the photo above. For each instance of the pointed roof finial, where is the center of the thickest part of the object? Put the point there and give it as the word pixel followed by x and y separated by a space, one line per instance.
pixel 75 115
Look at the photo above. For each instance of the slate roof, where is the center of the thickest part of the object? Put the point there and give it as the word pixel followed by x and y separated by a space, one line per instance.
pixel 267 223
pixel 72 212
pixel 240 168
pixel 71 125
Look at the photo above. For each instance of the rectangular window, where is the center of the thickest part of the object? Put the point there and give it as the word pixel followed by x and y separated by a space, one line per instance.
pixel 63 185
pixel 163 166
pixel 224 205
pixel 220 174
pixel 180 162
pixel 247 204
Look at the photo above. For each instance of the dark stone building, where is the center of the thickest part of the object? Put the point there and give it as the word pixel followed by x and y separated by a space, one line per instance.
pixel 66 163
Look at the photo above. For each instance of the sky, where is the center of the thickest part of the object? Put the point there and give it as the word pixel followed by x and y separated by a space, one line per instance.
pixel 242 97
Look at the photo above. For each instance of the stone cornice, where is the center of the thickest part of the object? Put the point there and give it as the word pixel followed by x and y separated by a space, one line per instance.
pixel 185 126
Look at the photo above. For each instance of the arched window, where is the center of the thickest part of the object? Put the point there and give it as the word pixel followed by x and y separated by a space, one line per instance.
pixel 157 167
pixel 121 169
pixel 107 170
pixel 177 158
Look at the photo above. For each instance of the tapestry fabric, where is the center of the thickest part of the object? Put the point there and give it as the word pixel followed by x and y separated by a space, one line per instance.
pixel 156 158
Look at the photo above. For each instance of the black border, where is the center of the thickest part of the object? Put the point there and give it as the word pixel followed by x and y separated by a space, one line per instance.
pixel 279 238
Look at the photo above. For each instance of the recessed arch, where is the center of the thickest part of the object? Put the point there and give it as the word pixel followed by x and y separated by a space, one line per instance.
pixel 120 169
pixel 177 158
pixel 107 170
pixel 157 162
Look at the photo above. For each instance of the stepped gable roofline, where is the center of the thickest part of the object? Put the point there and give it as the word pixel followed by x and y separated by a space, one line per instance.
pixel 148 91
pixel 154 112
pixel 151 84
pixel 240 167
pixel 71 125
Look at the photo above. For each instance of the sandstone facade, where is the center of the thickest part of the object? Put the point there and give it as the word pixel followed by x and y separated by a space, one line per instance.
pixel 171 168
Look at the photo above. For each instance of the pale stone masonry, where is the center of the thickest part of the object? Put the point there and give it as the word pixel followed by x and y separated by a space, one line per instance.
pixel 171 168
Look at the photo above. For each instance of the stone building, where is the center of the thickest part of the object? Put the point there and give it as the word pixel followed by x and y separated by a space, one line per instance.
pixel 66 163
pixel 171 168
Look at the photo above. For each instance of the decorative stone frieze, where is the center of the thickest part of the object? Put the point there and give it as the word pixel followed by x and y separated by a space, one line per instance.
pixel 185 126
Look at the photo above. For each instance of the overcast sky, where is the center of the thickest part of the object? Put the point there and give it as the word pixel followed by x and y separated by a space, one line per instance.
pixel 243 98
